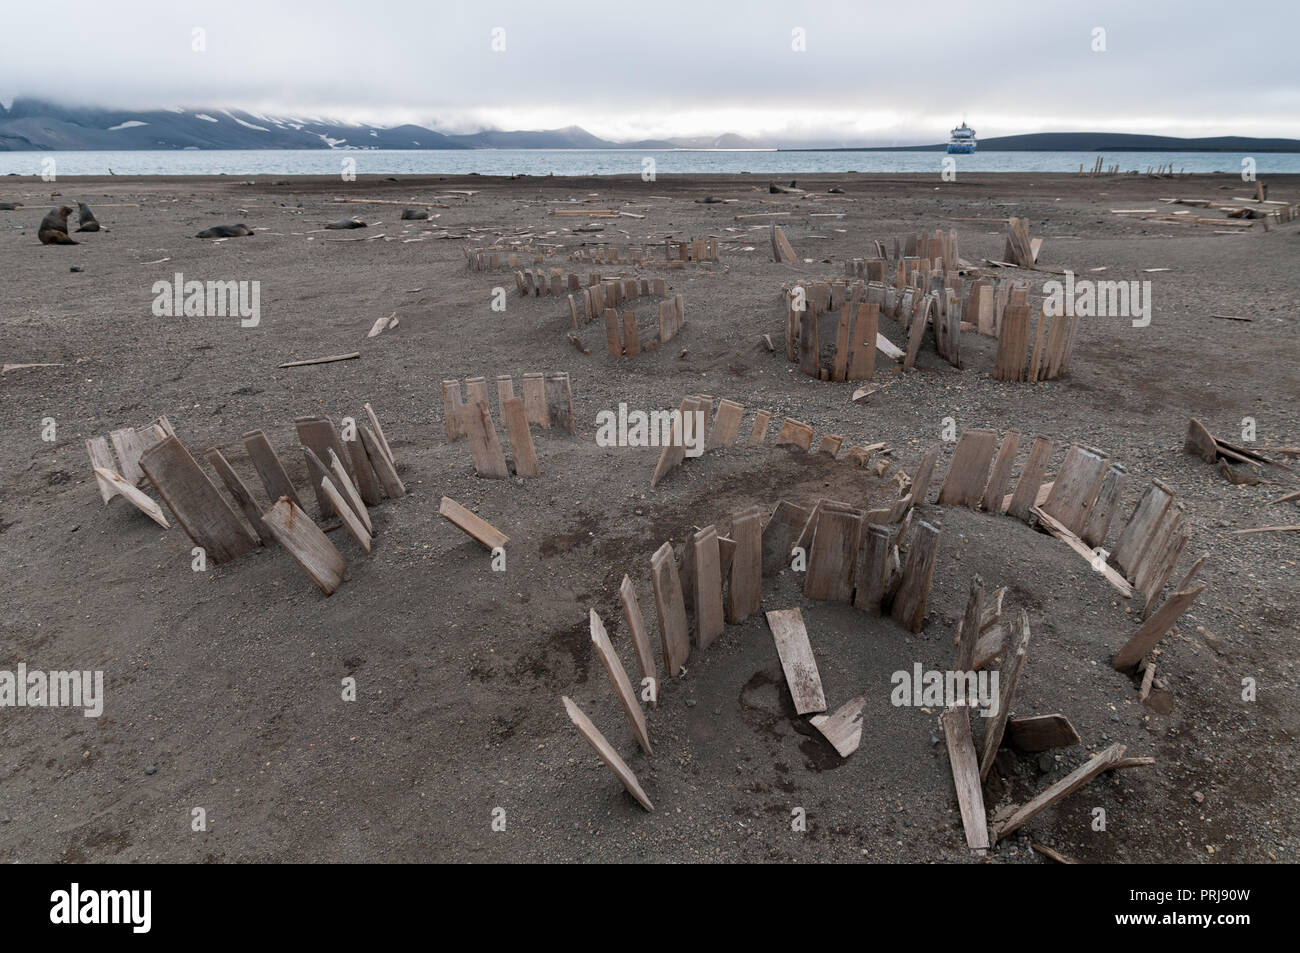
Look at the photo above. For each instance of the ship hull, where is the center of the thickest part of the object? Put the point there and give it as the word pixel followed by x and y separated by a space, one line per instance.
pixel 963 148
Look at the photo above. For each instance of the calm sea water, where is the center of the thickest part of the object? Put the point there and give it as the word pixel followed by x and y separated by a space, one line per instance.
pixel 605 162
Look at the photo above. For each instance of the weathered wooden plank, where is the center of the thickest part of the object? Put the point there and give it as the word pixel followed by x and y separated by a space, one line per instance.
pixel 968 627
pixel 759 433
pixel 367 480
pixel 1050 524
pixel 914 589
pixel 243 496
pixel 871 568
pixel 1041 733
pixel 319 434
pixel 1154 629
pixel 726 425
pixel 1001 473
pixel 269 468
pixel 1138 532
pixel 132 495
pixel 795 432
pixel 745 586
pixel 198 506
pixel 1076 487
pixel 451 406
pixel 129 443
pixel 606 752
pixel 966 775
pixel 797 660
pixel 345 513
pixel 1097 524
pixel 622 685
pixel 350 493
pixel 1009 676
pixel 779 535
pixel 535 400
pixel 866 331
pixel 924 475
pixel 521 438
pixel 383 468
pixel 316 470
pixel 1062 788
pixel 640 637
pixel 843 729
pixel 317 556
pixel 830 561
pixel 968 473
pixel 1031 478
pixel 708 587
pixel 472 525
pixel 101 458
pixel 559 401
pixel 670 609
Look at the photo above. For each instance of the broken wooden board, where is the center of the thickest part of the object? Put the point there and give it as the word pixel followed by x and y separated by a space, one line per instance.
pixel 871 568
pixel 559 401
pixel 367 480
pixel 101 458
pixel 333 357
pixel 1009 676
pixel 843 729
pixel 924 475
pixel 521 438
pixel 1137 534
pixel 782 251
pixel 1076 779
pixel 135 497
pixel 129 443
pixel 1154 629
pixel 339 477
pixel 319 435
pixel 535 400
pixel 295 531
pixel 966 775
pixel 198 506
pixel 452 402
pixel 726 425
pixel 795 432
pixel 797 660
pixel 914 589
pixel 640 638
pixel 670 609
pixel 1097 524
pixel 1041 733
pixel 1076 487
pixel 1001 473
pixel 622 685
pixel 1050 524
pixel 474 526
pixel 383 467
pixel 606 752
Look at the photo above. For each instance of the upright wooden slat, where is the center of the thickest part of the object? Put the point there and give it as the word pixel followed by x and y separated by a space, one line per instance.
pixel 1076 487
pixel 670 609
pixel 317 556
pixel 535 401
pixel 708 587
pixel 830 563
pixel 345 512
pixel 745 586
pixel 924 474
pixel 521 438
pixel 726 426
pixel 349 491
pixel 201 510
pixel 613 337
pixel 383 468
pixel 1137 534
pixel 1031 478
pixel 1097 525
pixel 367 480
pixel 1010 675
pixel 101 458
pixel 1001 474
pixel 559 402
pixel 862 364
pixel 779 535
pixel 1154 629
pixel 968 473
pixel 451 405
pixel 797 660
pixel 631 338
pixel 871 569
pixel 269 468
pixel 918 572
pixel 319 434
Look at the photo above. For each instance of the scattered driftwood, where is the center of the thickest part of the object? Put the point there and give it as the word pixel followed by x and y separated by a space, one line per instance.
pixel 322 360
pixel 1076 779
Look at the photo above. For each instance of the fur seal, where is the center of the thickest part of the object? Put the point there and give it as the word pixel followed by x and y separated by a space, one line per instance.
pixel 414 214
pixel 9 206
pixel 347 223
pixel 225 231
pixel 87 220
pixel 54 227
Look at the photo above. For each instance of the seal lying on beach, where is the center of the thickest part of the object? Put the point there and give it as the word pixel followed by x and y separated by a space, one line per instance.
pixel 87 220
pixel 225 231
pixel 347 223
pixel 8 206
pixel 414 214
pixel 54 227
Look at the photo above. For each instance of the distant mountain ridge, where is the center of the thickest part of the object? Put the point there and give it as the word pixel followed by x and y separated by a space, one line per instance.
pixel 1100 142
pixel 34 125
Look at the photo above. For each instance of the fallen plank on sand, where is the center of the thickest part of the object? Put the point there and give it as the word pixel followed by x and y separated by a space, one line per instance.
pixel 1062 788
pixel 322 360
pixel 797 660
pixel 843 729
pixel 473 525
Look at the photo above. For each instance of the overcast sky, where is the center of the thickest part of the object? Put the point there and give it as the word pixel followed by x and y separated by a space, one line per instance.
pixel 624 69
